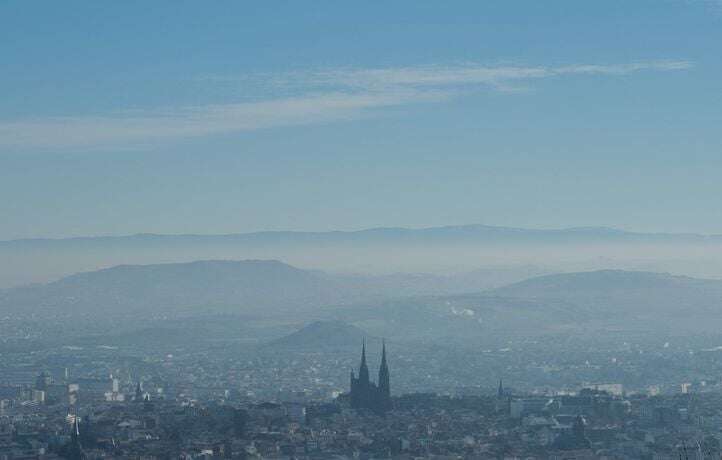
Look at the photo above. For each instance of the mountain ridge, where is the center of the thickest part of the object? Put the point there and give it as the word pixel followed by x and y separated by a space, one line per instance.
pixel 624 293
pixel 382 250
pixel 371 230
pixel 251 284
pixel 408 306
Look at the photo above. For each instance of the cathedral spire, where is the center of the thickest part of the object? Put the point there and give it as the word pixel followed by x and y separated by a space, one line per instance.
pixel 363 373
pixel 363 352
pixel 383 355
pixel 384 370
pixel 366 394
pixel 384 381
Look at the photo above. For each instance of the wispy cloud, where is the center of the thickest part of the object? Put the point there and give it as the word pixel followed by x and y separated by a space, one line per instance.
pixel 477 75
pixel 497 77
pixel 153 125
pixel 321 97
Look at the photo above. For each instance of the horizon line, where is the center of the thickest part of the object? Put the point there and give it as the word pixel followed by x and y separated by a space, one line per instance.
pixel 608 229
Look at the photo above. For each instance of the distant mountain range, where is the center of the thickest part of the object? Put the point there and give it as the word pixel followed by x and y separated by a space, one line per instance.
pixel 378 251
pixel 454 232
pixel 624 293
pixel 592 302
pixel 249 286
pixel 258 287
pixel 273 294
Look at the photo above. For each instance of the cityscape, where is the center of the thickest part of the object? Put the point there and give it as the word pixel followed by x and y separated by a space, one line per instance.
pixel 151 410
pixel 326 230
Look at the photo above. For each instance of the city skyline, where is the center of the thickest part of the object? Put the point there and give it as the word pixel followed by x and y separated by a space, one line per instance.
pixel 209 210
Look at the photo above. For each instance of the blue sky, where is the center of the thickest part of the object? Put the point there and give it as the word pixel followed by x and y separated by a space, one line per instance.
pixel 219 117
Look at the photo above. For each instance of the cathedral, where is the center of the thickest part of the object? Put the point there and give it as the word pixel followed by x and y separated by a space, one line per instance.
pixel 366 394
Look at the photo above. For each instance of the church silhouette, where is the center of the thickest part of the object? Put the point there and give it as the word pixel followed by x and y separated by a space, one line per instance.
pixel 367 395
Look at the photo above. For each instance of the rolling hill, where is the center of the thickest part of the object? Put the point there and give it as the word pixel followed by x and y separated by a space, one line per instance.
pixel 589 302
pixel 251 286
pixel 261 287
pixel 321 335
pixel 445 250
pixel 623 292
pixel 403 306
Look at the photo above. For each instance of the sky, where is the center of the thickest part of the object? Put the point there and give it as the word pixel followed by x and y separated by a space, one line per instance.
pixel 223 117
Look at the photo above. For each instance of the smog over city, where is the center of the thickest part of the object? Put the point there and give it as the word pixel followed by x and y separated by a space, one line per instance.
pixel 376 230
